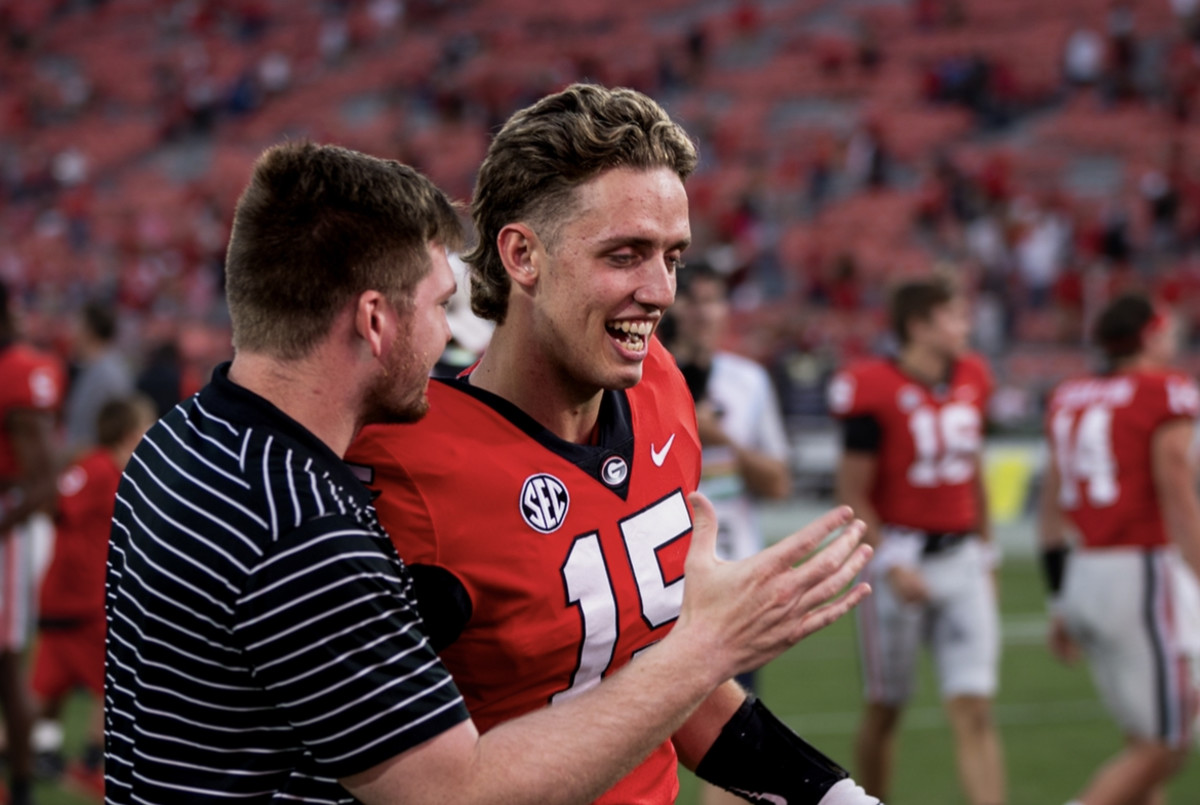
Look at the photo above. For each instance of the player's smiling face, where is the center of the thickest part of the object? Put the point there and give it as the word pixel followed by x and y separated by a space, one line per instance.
pixel 610 274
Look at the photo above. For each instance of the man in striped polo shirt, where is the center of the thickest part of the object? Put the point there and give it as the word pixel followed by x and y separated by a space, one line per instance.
pixel 264 641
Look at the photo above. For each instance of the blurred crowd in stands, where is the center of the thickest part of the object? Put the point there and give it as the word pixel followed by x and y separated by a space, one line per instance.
pixel 1041 150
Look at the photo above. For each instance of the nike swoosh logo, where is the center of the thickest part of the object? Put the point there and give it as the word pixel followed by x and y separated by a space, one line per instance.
pixel 659 456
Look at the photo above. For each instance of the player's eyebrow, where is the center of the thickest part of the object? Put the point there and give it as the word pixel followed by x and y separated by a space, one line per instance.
pixel 641 243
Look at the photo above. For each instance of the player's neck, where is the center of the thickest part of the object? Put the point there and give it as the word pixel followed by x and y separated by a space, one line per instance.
pixel 923 365
pixel 301 389
pixel 120 454
pixel 1136 363
pixel 531 383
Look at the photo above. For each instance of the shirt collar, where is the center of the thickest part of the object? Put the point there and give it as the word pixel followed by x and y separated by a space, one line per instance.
pixel 240 405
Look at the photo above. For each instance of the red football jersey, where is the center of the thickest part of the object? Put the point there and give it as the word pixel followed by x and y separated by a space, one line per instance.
pixel 74 582
pixel 28 379
pixel 1100 430
pixel 572 554
pixel 930 440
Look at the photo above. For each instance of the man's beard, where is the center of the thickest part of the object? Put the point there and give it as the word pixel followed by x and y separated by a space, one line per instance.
pixel 394 397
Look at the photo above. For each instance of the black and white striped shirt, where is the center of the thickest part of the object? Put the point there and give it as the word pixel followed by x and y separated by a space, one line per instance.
pixel 262 641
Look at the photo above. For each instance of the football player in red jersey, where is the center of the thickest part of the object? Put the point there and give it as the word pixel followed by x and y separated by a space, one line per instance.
pixel 544 495
pixel 31 387
pixel 70 648
pixel 1122 476
pixel 912 442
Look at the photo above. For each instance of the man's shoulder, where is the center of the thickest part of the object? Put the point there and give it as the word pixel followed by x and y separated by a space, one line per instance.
pixel 95 465
pixel 875 369
pixel 1171 392
pixel 974 368
pixel 862 387
pixel 30 378
pixel 1143 391
pixel 231 502
pixel 245 464
pixel 111 368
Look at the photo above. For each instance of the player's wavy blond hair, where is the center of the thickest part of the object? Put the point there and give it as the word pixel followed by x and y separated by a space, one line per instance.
pixel 547 150
pixel 317 226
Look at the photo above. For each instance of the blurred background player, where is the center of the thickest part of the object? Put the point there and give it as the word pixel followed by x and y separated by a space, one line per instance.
pixel 575 442
pixel 912 444
pixel 102 374
pixel 1122 477
pixel 70 649
pixel 745 448
pixel 31 385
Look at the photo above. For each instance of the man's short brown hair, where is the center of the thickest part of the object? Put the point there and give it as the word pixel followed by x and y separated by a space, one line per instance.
pixel 1121 327
pixel 121 417
pixel 916 300
pixel 547 150
pixel 317 226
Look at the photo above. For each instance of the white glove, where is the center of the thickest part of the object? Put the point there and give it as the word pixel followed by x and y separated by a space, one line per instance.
pixel 847 792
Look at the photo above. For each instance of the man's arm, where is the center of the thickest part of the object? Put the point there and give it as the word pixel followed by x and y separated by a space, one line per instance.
pixel 983 526
pixel 576 750
pixel 1175 481
pixel 765 475
pixel 30 433
pixel 735 742
pixel 697 735
pixel 852 485
pixel 1051 523
pixel 1052 534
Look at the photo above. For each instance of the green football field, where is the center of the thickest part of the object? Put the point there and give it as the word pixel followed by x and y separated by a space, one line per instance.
pixel 1054 730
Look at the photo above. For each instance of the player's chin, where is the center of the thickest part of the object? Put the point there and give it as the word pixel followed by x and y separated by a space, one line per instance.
pixel 625 376
pixel 957 351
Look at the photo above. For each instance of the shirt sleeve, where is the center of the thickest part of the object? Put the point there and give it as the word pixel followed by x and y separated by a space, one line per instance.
pixel 851 392
pixel 987 382
pixel 398 502
pixel 332 634
pixel 1178 398
pixel 861 434
pixel 39 386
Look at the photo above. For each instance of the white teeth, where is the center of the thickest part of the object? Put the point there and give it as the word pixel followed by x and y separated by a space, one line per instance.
pixel 642 328
pixel 635 333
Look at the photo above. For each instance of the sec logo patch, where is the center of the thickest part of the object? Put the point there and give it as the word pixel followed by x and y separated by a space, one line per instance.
pixel 544 502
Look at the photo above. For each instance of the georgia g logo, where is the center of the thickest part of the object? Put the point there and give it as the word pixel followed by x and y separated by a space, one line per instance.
pixel 544 502
pixel 614 471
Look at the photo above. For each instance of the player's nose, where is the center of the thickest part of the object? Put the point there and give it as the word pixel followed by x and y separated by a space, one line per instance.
pixel 657 287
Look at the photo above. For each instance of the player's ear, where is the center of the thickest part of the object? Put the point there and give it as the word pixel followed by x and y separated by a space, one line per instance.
pixel 519 248
pixel 371 320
